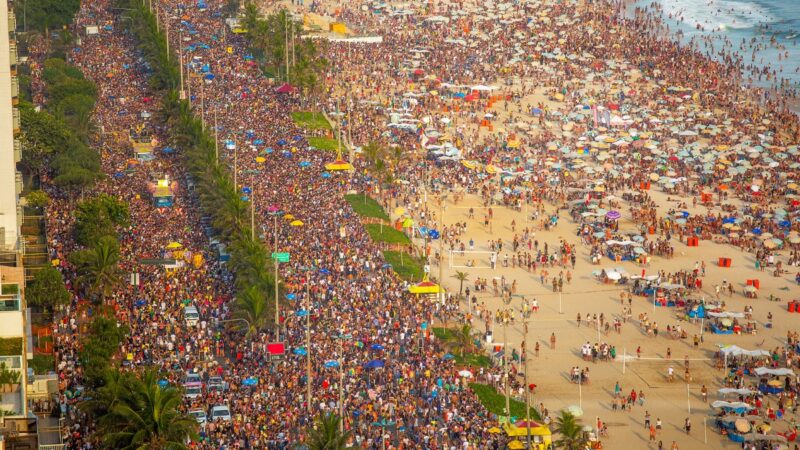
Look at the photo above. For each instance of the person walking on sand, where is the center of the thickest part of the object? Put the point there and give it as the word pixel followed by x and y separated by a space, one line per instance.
pixel 553 341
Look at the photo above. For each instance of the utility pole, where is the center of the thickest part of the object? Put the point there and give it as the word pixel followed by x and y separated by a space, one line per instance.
pixel 180 56
pixel 308 344
pixel 286 37
pixel 216 138
pixel 525 315
pixel 275 249
pixel 442 199
pixel 253 213
pixel 235 164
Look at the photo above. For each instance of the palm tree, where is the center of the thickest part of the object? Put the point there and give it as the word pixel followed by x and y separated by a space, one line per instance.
pixel 572 435
pixel 147 417
pixel 462 340
pixel 326 435
pixel 252 306
pixel 461 277
pixel 97 267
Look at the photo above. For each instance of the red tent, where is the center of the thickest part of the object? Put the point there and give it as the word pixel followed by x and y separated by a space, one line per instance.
pixel 285 88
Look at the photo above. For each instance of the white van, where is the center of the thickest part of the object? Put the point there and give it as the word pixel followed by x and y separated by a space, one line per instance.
pixel 191 315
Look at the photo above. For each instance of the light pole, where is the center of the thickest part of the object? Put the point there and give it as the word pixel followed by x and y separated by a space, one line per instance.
pixel 526 313
pixel 308 343
pixel 505 319
pixel 275 212
pixel 342 337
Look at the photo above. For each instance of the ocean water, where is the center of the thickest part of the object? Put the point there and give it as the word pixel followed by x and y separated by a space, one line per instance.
pixel 763 32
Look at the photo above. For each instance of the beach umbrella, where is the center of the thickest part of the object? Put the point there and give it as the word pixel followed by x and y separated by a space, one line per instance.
pixel 296 223
pixel 326 174
pixel 465 374
pixel 332 364
pixel 376 347
pixel 300 351
pixel 305 163
pixel 174 245
pixel 301 313
pixel 613 215
pixel 374 364
pixel 250 381
pixel 448 356
pixel 494 430
pixel 516 445
pixel 291 296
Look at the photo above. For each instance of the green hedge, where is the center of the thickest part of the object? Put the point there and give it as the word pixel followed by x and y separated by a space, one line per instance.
pixel 10 346
pixel 496 402
pixel 386 233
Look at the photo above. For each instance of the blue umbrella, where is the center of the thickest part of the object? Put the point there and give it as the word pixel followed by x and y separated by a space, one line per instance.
pixel 729 220
pixel 247 190
pixel 250 381
pixel 119 175
pixel 326 175
pixel 282 142
pixel 331 364
pixel 168 150
pixel 250 134
pixel 374 364
pixel 304 163
pixel 258 142
pixel 301 313
pixel 298 138
pixel 163 383
pixel 291 296
pixel 448 356
pixel 377 347
pixel 685 214
pixel 300 351
pixel 756 231
pixel 785 223
pixel 324 271
pixel 434 234
pixel 209 76
pixel 269 150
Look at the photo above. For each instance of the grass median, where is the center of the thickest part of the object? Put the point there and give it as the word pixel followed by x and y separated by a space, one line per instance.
pixel 324 143
pixel 407 267
pixel 311 120
pixel 495 402
pixel 366 206
pixel 387 234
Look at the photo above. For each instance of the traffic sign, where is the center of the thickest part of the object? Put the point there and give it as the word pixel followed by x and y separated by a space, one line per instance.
pixel 281 256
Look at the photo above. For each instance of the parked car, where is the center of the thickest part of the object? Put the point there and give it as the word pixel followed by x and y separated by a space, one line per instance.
pixel 199 415
pixel 221 412
pixel 192 380
pixel 217 384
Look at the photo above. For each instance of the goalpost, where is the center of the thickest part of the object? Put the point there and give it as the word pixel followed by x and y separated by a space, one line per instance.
pixel 472 259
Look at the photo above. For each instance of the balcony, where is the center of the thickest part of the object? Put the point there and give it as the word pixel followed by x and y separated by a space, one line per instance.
pixel 12 53
pixel 16 120
pixel 10 299
pixel 14 86
pixel 12 21
pixel 17 151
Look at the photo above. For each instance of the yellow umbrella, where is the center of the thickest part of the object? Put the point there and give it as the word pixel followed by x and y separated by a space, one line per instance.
pixel 399 211
pixel 288 217
pixel 494 430
pixel 408 223
pixel 260 159
pixel 516 445
pixel 174 245
pixel 467 164
pixel 296 223
pixel 490 169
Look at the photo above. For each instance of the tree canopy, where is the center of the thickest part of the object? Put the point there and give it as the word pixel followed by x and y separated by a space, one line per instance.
pixel 47 289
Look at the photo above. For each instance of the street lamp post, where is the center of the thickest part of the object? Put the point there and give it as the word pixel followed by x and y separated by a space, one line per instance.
pixel 505 319
pixel 526 313
pixel 308 344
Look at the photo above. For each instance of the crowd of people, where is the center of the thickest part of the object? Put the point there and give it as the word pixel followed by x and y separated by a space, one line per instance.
pixel 360 311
